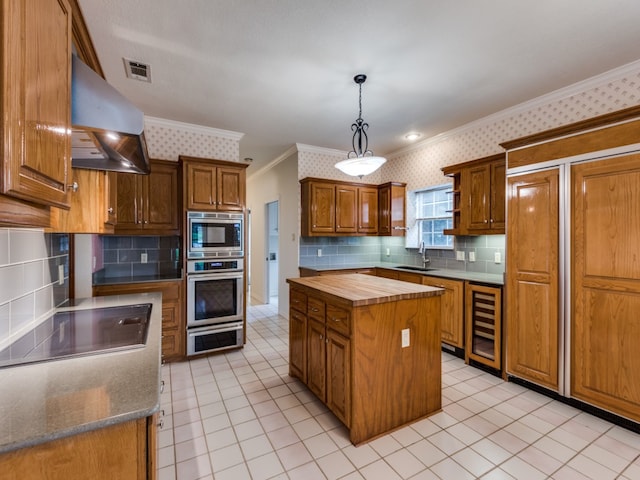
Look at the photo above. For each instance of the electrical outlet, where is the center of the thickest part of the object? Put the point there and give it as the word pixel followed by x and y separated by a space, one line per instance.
pixel 60 274
pixel 95 261
pixel 406 338
pixel 472 256
pixel 319 252
pixel 388 252
pixel 460 255
pixel 143 258
pixel 497 257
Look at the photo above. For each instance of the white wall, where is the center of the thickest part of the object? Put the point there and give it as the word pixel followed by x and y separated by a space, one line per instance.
pixel 277 183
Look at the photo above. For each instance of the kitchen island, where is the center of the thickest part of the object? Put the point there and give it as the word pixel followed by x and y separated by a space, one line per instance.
pixel 85 416
pixel 368 347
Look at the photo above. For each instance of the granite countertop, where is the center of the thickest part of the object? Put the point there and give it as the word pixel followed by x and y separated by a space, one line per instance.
pixel 44 401
pixel 488 278
pixel 360 290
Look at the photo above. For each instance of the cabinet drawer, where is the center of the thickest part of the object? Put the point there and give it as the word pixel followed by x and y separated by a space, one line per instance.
pixel 316 309
pixel 171 342
pixel 298 301
pixel 339 320
pixel 170 317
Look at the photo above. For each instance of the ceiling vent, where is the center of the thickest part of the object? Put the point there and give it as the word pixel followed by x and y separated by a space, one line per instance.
pixel 137 70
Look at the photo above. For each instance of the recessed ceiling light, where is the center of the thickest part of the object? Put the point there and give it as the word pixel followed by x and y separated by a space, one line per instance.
pixel 412 136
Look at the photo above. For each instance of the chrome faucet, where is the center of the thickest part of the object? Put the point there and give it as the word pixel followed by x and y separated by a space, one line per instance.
pixel 423 250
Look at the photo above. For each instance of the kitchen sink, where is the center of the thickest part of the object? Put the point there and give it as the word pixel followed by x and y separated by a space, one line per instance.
pixel 81 332
pixel 413 267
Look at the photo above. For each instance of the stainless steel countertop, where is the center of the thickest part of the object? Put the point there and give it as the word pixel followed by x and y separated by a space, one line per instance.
pixel 45 401
pixel 488 278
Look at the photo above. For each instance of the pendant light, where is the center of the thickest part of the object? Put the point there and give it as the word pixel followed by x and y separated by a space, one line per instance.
pixel 360 161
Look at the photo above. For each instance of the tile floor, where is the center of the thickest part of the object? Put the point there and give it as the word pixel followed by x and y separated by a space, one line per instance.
pixel 239 415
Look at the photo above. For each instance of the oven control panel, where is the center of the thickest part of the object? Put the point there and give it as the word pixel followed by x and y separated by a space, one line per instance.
pixel 215 265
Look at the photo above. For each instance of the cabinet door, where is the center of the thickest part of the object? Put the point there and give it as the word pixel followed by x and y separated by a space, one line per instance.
pixel 479 181
pixel 391 209
pixel 367 210
pixel 297 345
pixel 161 192
pixel 605 323
pixel 36 100
pixel 201 186
pixel 129 202
pixel 88 211
pixel 322 208
pixel 339 376
pixel 346 209
pixel 230 186
pixel 384 212
pixel 532 323
pixel 483 307
pixel 451 309
pixel 498 192
pixel 316 358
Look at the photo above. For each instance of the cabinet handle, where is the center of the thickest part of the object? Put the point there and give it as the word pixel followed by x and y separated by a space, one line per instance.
pixel 161 424
pixel 335 319
pixel 313 309
pixel 162 386
pixel 491 220
pixel 486 221
pixel 110 210
pixel 73 187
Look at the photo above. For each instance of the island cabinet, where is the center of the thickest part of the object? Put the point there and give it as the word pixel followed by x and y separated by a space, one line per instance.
pixel 370 347
pixel 479 192
pixel 213 185
pixel 148 204
pixel 126 450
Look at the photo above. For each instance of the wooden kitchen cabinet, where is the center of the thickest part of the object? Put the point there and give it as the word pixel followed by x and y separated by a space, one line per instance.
pixel 93 205
pixel 478 196
pixel 298 335
pixel 483 325
pixel 148 204
pixel 392 209
pixel 213 185
pixel 36 102
pixel 533 322
pixel 452 309
pixel 173 323
pixel 335 208
pixel 125 450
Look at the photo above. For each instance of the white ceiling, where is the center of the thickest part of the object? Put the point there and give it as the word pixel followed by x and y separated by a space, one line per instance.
pixel 281 71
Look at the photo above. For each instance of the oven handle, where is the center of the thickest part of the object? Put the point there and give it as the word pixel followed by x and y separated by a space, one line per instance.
pixel 193 332
pixel 194 277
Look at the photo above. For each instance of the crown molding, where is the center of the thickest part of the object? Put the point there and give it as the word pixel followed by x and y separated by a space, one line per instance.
pixel 543 100
pixel 191 127
pixel 280 158
pixel 321 150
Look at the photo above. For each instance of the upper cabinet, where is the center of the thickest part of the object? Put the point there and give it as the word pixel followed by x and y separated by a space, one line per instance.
pixel 213 185
pixel 478 196
pixel 36 101
pixel 93 204
pixel 391 208
pixel 148 204
pixel 335 208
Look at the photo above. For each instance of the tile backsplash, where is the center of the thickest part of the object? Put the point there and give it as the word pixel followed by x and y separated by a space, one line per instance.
pixel 363 250
pixel 34 278
pixel 122 256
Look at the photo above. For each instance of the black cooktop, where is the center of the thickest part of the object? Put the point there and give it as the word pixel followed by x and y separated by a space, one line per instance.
pixel 81 332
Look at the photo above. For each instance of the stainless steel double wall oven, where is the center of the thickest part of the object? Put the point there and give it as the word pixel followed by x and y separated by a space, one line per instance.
pixel 215 281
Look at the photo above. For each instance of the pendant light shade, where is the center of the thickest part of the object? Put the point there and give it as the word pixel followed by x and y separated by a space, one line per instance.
pixel 360 161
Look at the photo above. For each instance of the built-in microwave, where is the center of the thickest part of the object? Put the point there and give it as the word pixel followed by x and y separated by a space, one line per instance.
pixel 212 234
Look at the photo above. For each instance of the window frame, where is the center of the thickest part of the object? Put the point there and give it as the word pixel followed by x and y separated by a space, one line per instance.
pixel 446 190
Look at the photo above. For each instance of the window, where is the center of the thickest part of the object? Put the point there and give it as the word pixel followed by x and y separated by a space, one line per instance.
pixel 433 215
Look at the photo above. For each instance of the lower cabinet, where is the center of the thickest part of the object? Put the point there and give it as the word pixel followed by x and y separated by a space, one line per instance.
pixel 452 309
pixel 123 451
pixel 173 325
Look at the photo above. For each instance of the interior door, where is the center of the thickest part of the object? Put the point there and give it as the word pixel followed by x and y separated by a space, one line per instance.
pixel 605 324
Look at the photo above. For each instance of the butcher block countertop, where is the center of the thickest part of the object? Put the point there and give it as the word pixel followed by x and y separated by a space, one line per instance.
pixel 359 289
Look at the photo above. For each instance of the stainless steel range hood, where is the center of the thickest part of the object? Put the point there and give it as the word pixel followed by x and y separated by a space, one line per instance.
pixel 107 129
